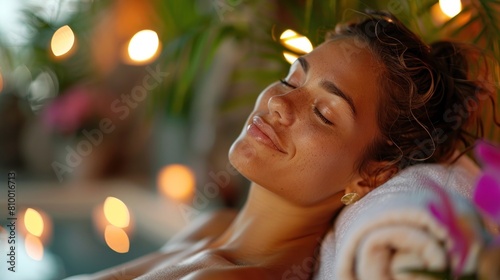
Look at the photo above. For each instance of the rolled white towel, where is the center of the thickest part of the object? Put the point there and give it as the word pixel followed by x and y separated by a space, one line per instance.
pixel 392 230
pixel 395 249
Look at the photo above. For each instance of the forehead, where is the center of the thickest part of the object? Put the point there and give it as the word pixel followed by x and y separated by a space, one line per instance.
pixel 346 58
pixel 350 64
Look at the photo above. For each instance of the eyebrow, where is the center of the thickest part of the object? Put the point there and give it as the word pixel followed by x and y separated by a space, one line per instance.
pixel 330 87
pixel 303 62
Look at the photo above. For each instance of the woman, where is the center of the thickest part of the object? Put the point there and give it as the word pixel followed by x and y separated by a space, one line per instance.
pixel 368 102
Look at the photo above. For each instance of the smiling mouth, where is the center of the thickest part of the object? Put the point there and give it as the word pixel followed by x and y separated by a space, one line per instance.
pixel 264 133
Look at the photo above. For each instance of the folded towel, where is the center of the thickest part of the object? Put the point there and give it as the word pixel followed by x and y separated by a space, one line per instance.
pixel 391 229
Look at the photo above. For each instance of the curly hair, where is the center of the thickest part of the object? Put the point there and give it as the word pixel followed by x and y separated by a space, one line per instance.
pixel 430 100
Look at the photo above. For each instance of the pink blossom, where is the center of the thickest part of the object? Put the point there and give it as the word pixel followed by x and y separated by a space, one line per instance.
pixel 67 113
pixel 487 192
pixel 444 212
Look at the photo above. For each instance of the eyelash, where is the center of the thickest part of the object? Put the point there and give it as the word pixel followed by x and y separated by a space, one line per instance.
pixel 286 83
pixel 323 118
pixel 316 110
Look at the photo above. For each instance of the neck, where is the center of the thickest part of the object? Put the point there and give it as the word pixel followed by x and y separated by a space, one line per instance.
pixel 268 224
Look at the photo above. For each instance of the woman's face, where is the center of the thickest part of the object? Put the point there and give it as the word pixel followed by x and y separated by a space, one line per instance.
pixel 306 133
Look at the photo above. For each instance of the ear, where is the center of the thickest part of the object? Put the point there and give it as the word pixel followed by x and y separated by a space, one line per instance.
pixel 376 174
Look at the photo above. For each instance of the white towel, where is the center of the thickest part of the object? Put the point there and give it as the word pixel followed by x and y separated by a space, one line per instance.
pixel 391 229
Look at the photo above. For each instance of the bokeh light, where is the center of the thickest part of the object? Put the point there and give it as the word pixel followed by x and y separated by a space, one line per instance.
pixel 1 82
pixel 143 46
pixel 450 8
pixel 112 219
pixel 290 57
pixel 42 89
pixel 37 225
pixel 288 34
pixel 33 222
pixel 116 212
pixel 117 239
pixel 177 181
pixel 296 42
pixel 62 41
pixel 34 247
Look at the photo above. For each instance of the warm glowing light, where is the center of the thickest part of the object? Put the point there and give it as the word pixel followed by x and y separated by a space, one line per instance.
pixel 288 34
pixel 176 181
pixel 1 82
pixel 116 212
pixel 37 224
pixel 33 222
pixel 34 247
pixel 450 8
pixel 62 41
pixel 143 46
pixel 100 221
pixel 296 42
pixel 290 57
pixel 117 239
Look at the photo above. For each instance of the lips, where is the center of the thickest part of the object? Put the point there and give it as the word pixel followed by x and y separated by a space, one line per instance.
pixel 264 133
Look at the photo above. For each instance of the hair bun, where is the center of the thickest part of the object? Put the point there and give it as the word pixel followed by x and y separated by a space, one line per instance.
pixel 451 58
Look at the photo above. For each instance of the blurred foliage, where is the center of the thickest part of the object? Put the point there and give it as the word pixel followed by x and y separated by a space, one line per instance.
pixel 192 32
pixel 35 54
pixel 192 37
pixel 198 39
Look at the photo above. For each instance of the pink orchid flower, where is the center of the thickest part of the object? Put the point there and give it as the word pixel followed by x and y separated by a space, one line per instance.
pixel 487 193
pixel 444 212
pixel 67 113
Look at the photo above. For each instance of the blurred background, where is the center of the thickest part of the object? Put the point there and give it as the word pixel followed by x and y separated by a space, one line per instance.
pixel 116 116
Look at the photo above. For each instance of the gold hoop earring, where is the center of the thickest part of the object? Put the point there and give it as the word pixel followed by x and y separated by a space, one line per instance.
pixel 350 198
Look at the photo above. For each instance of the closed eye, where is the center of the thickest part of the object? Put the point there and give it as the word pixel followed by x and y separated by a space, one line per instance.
pixel 286 83
pixel 316 111
pixel 323 118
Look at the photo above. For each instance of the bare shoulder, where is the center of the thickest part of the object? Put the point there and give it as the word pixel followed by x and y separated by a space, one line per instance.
pixel 208 225
pixel 231 273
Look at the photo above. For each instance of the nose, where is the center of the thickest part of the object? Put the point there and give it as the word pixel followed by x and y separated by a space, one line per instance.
pixel 280 108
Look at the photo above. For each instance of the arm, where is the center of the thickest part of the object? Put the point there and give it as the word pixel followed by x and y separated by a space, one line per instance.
pixel 230 273
pixel 207 225
pixel 129 270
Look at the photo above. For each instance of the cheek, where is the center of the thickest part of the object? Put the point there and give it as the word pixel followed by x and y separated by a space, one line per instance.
pixel 316 179
pixel 326 163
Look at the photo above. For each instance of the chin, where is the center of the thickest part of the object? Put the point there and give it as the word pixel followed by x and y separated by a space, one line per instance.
pixel 251 162
pixel 242 156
